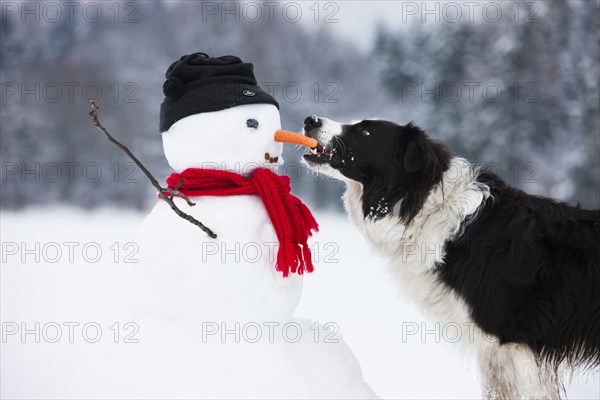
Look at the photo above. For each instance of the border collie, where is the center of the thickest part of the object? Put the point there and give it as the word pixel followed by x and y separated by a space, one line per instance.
pixel 525 270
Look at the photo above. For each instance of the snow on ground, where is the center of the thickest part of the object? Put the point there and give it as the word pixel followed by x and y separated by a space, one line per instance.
pixel 402 354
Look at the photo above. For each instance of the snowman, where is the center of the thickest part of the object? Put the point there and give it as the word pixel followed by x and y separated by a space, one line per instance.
pixel 221 309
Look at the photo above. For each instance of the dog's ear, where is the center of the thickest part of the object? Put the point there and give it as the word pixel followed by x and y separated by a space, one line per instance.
pixel 415 157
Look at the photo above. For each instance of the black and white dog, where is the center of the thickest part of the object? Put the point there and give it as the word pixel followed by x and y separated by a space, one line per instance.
pixel 470 249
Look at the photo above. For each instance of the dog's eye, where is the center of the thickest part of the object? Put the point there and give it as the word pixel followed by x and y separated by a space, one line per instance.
pixel 365 132
pixel 252 123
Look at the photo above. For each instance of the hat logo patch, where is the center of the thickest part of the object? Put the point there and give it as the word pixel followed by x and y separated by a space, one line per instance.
pixel 248 93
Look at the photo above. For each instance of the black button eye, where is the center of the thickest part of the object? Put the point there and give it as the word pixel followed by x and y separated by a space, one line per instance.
pixel 365 132
pixel 252 123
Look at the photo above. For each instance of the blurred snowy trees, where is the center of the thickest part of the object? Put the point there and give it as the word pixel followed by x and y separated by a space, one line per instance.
pixel 542 134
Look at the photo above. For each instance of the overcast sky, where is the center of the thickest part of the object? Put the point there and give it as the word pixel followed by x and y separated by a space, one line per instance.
pixel 356 20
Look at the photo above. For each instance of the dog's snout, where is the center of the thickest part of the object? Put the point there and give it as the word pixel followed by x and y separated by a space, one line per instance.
pixel 312 122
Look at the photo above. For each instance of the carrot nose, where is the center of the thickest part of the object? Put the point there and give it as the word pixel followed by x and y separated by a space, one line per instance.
pixel 295 138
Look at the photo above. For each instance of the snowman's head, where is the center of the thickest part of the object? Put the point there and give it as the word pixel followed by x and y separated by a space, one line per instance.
pixel 216 116
pixel 237 139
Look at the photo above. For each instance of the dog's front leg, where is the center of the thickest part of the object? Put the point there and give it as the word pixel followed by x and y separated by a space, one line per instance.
pixel 510 371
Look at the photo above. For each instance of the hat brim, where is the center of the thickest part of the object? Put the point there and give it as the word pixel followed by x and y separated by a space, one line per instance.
pixel 211 98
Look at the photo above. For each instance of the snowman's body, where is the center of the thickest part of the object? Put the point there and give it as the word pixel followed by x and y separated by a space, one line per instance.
pixel 195 283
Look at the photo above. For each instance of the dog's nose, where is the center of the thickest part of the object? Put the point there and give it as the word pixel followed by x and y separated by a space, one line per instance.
pixel 312 122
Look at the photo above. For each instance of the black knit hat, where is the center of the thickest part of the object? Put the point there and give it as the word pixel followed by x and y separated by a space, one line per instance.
pixel 198 83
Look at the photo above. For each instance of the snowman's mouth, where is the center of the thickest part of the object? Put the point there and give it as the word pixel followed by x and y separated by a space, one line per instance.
pixel 271 159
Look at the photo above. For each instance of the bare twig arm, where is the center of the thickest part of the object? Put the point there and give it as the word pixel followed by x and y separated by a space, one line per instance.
pixel 165 193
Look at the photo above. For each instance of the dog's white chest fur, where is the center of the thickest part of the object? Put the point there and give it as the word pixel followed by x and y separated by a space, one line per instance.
pixel 416 249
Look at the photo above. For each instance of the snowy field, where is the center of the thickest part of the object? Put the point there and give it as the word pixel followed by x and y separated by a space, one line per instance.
pixel 66 268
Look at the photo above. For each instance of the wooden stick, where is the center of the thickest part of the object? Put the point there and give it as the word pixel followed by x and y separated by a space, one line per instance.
pixel 165 193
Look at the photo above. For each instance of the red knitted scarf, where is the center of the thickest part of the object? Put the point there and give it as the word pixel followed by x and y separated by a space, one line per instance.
pixel 292 220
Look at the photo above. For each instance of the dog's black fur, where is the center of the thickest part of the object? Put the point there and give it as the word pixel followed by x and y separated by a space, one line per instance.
pixel 527 266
